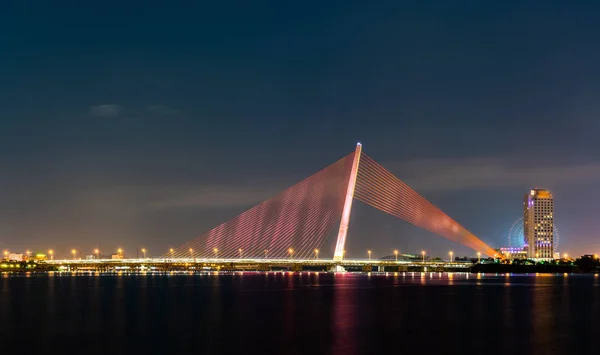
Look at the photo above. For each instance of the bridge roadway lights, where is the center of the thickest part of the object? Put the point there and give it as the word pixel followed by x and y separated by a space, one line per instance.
pixel 256 265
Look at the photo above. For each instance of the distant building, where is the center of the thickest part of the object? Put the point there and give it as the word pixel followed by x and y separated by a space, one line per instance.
pixel 90 257
pixel 15 257
pixel 117 256
pixel 513 253
pixel 538 224
pixel 40 256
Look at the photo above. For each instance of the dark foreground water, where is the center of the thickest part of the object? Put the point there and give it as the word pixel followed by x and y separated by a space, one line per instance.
pixel 300 314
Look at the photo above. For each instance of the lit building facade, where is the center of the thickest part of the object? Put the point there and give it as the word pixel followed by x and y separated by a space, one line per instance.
pixel 513 253
pixel 538 224
pixel 16 257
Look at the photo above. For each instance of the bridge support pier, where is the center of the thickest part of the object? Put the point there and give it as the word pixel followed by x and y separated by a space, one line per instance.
pixel 337 268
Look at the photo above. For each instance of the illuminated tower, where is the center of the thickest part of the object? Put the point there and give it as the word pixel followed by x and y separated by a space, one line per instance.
pixel 341 240
pixel 538 224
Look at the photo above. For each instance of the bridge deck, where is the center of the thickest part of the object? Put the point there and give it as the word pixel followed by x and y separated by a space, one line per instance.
pixel 220 262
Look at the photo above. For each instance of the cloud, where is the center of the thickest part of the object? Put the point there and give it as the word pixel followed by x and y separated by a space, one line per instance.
pixel 214 196
pixel 151 197
pixel 469 174
pixel 162 110
pixel 106 110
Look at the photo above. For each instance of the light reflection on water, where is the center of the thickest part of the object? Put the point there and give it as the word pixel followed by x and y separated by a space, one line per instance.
pixel 297 313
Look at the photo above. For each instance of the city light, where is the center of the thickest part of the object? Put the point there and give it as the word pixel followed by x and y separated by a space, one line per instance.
pixel 97 252
pixel 479 257
pixel 291 252
pixel 369 252
pixel 423 253
pixel 50 252
pixel 171 251
pixel 450 253
pixel 266 252
pixel 396 255
pixel 144 252
pixel 74 252
pixel 216 250
pixel 316 253
pixel 240 250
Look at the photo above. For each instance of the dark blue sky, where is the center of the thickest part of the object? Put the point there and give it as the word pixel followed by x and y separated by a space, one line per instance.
pixel 143 124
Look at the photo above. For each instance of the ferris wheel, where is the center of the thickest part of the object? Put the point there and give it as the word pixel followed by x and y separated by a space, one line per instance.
pixel 516 235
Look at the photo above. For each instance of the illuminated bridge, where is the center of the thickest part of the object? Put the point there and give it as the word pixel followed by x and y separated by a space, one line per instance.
pixel 260 264
pixel 291 227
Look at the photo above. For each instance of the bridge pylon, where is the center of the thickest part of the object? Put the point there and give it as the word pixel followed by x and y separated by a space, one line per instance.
pixel 340 245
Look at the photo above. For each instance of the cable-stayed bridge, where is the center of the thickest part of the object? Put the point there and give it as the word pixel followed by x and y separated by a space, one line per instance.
pixel 296 222
pixel 289 229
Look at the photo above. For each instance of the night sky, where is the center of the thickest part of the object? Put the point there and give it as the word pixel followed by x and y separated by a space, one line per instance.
pixel 133 124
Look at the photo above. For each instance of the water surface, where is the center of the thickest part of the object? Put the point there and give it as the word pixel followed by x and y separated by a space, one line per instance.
pixel 306 313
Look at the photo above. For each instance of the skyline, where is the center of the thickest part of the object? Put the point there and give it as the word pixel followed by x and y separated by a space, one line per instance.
pixel 129 126
pixel 326 247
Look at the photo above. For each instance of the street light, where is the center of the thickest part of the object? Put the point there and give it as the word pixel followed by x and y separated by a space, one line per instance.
pixel 144 252
pixel 96 251
pixel 566 255
pixel 266 252
pixel 171 251
pixel 291 252
pixel 396 255
pixel 51 252
pixel 479 257
pixel 316 253
pixel 369 252
pixel 423 253
pixel 241 251
pixel 74 252
pixel 450 255
pixel 216 250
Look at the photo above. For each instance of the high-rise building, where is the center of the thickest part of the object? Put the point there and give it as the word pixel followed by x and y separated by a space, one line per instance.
pixel 538 224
